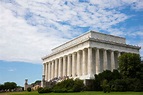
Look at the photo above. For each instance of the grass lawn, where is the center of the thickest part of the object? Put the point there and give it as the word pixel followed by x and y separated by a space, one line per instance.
pixel 80 93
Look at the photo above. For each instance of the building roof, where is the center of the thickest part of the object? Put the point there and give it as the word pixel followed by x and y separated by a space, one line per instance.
pixel 92 35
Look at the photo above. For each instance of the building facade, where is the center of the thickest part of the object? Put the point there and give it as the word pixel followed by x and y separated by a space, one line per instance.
pixel 86 55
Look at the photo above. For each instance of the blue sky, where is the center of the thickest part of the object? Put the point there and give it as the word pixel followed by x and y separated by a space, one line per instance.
pixel 29 29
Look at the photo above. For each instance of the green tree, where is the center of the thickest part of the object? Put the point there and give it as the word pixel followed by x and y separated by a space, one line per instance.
pixel 105 75
pixel 129 65
pixel 29 89
pixel 105 86
pixel 10 85
pixel 1 86
pixel 78 85
pixel 69 85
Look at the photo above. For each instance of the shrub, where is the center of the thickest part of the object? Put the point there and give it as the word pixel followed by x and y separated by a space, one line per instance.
pixel 105 86
pixel 29 89
pixel 69 85
pixel 134 84
pixel 78 85
pixel 119 85
pixel 128 84
pixel 44 90
pixel 40 90
pixel 64 86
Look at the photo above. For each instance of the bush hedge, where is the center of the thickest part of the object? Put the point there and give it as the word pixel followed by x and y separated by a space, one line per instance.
pixel 69 85
pixel 44 90
pixel 29 89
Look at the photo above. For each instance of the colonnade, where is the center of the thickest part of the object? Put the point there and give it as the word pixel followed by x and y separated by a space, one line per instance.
pixel 88 61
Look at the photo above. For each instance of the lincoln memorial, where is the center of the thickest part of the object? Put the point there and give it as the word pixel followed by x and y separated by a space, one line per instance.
pixel 86 55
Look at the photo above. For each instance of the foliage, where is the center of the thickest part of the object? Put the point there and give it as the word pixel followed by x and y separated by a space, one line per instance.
pixel 79 93
pixel 105 86
pixel 36 82
pixel 90 85
pixel 1 86
pixel 44 90
pixel 116 75
pixel 105 75
pixel 119 85
pixel 40 89
pixel 140 72
pixel 108 75
pixel 97 85
pixel 131 70
pixel 129 65
pixel 9 85
pixel 29 89
pixel 64 86
pixel 69 85
pixel 128 84
pixel 78 85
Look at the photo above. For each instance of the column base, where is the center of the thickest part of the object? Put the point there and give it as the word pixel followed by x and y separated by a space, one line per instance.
pixel 83 77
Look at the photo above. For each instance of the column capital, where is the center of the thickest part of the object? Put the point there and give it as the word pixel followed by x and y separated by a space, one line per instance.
pixel 105 49
pixel 85 48
pixel 79 51
pixel 74 52
pixel 96 48
pixel 69 54
pixel 90 48
pixel 44 63
pixel 60 57
pixel 65 56
pixel 56 58
pixel 53 61
pixel 111 50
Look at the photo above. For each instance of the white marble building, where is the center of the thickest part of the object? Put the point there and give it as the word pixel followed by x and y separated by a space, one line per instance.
pixel 86 55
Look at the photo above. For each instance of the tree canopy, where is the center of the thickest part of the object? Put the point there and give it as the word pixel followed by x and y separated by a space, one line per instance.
pixel 129 65
pixel 8 86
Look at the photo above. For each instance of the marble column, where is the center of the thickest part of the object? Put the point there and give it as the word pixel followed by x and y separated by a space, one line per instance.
pixel 52 71
pixel 105 59
pixel 112 61
pixel 90 61
pixel 97 61
pixel 44 68
pixel 56 67
pixel 46 71
pixel 119 54
pixel 83 62
pixel 69 68
pixel 64 66
pixel 60 67
pixel 78 63
pixel 73 64
pixel 49 70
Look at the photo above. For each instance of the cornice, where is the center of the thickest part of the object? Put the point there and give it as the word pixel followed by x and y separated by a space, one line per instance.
pixel 96 40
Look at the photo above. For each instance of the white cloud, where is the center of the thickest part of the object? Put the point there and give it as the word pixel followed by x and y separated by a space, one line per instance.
pixel 20 41
pixel 11 70
pixel 31 28
pixel 110 4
